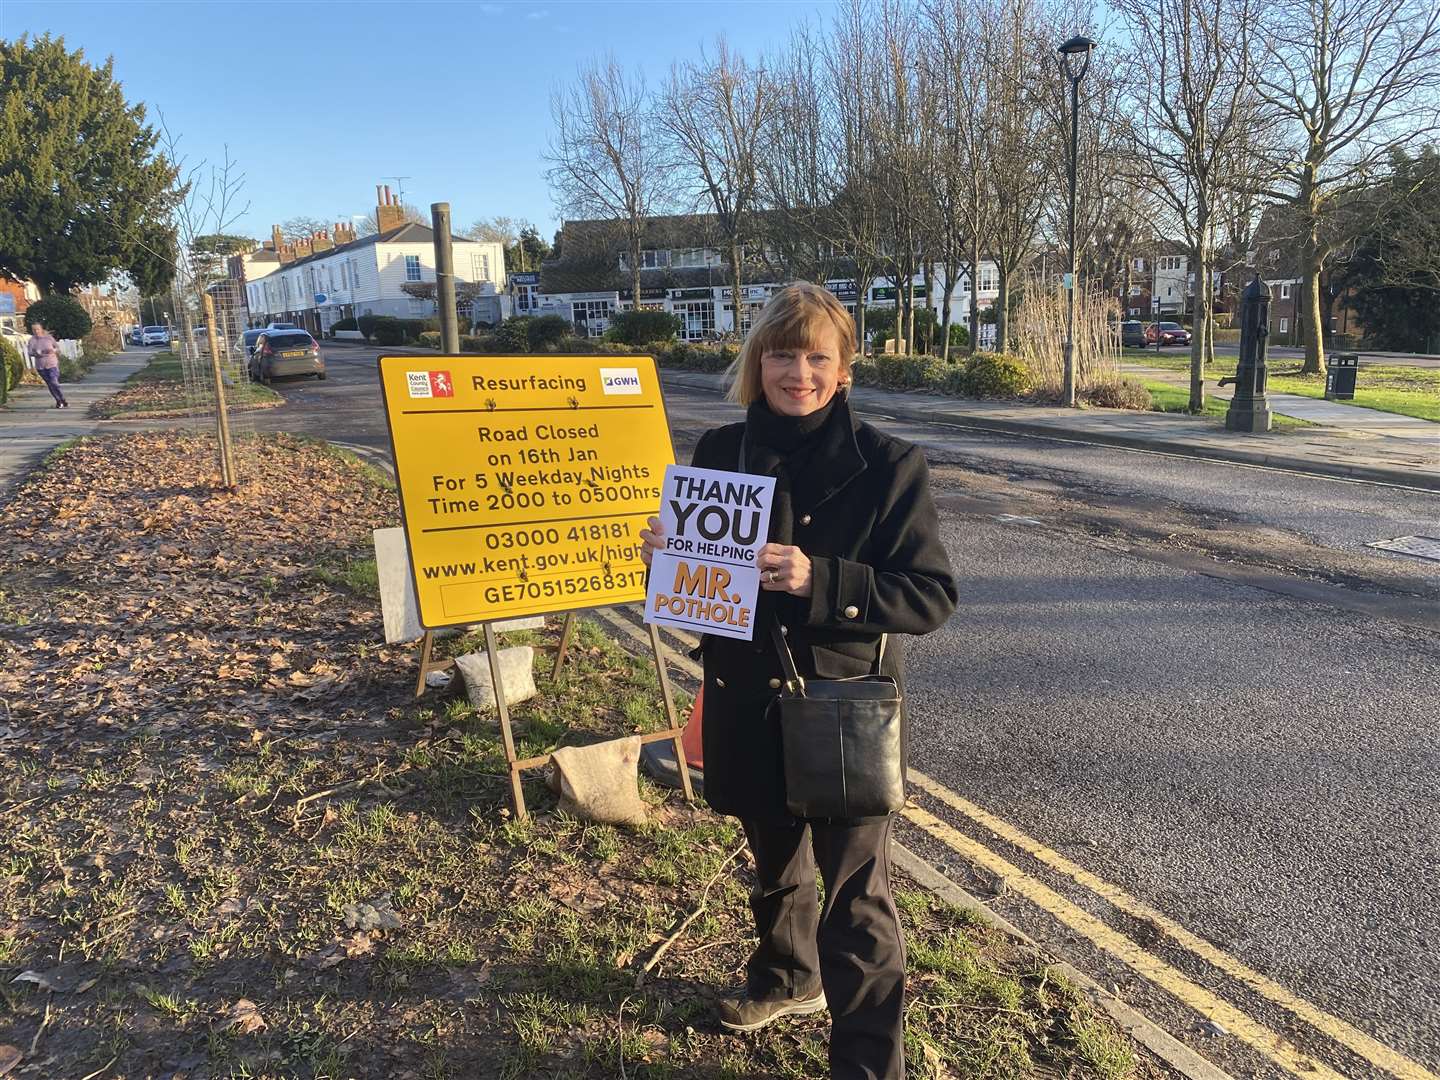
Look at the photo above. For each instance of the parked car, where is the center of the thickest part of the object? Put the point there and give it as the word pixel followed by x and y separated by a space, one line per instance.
pixel 1167 333
pixel 137 335
pixel 245 343
pixel 1132 334
pixel 285 352
pixel 155 335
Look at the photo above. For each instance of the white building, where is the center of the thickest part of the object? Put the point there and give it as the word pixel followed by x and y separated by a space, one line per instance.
pixel 318 281
pixel 683 274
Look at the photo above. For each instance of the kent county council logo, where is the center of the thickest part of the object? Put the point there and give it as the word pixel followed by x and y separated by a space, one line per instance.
pixel 617 380
pixel 424 384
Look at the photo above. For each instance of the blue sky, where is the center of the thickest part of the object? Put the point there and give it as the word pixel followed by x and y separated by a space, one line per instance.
pixel 321 101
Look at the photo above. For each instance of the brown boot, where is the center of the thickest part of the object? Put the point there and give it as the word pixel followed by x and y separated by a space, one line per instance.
pixel 747 1015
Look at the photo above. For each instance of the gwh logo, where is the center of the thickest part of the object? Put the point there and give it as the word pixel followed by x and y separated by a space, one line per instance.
pixel 424 384
pixel 620 380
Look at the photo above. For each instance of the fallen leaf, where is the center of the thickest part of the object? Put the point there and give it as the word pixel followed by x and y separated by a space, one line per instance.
pixel 243 1017
pixel 10 1056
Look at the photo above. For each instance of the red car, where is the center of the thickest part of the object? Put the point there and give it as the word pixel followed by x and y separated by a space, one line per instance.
pixel 1167 333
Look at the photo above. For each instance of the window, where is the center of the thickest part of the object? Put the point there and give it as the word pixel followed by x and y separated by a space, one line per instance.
pixel 419 307
pixel 989 279
pixel 683 257
pixel 354 267
pixel 1284 325
pixel 479 267
pixel 698 318
pixel 1138 266
pixel 1134 290
pixel 525 298
pixel 1285 291
pixel 593 315
pixel 412 267
pixel 1170 262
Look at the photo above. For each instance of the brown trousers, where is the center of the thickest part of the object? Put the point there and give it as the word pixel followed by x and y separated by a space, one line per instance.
pixel 852 946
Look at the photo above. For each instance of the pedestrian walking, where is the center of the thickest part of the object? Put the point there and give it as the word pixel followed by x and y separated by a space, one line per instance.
pixel 45 351
pixel 854 556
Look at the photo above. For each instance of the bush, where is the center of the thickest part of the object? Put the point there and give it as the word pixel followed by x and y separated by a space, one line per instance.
pixel 995 375
pixel 100 343
pixel 63 316
pixel 414 328
pixel 547 331
pixel 430 339
pixel 366 325
pixel 479 343
pixel 1119 395
pixel 513 335
pixel 344 324
pixel 389 330
pixel 959 336
pixel 638 327
pixel 12 368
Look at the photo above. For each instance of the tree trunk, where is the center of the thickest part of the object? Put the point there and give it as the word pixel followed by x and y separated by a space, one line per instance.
pixel 950 275
pixel 735 284
pixel 1002 312
pixel 974 296
pixel 928 272
pixel 1309 311
pixel 635 269
pixel 1199 325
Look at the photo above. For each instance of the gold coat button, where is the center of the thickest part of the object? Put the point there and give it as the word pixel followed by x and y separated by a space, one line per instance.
pixel 852 612
pixel 804 519
pixel 720 683
pixel 774 684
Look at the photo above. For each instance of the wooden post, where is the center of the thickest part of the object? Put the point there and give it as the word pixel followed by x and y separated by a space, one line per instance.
pixel 502 710
pixel 670 716
pixel 445 278
pixel 564 644
pixel 222 416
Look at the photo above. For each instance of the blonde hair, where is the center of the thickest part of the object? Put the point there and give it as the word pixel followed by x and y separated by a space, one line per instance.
pixel 794 318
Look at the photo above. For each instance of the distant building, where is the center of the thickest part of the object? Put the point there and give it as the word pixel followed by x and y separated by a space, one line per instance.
pixel 317 281
pixel 16 296
pixel 683 271
pixel 1275 256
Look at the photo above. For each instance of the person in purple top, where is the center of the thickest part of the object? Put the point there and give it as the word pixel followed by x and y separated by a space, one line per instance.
pixel 46 354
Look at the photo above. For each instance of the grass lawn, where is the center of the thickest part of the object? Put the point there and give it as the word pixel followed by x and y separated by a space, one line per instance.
pixel 238 846
pixel 1396 388
pixel 160 390
pixel 1170 397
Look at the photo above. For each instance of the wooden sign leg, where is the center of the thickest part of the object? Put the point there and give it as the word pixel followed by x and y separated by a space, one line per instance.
pixel 427 646
pixel 502 710
pixel 565 632
pixel 659 648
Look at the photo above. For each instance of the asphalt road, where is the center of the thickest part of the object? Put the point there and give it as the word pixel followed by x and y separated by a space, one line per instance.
pixel 1285 352
pixel 1192 679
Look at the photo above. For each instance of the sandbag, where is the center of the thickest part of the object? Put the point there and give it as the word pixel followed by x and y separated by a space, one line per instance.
pixel 600 782
pixel 517 672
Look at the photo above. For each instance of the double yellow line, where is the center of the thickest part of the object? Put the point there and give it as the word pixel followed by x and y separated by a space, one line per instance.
pixel 1266 1041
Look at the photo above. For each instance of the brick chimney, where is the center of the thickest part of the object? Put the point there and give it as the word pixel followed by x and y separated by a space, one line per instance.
pixel 344 233
pixel 277 241
pixel 302 247
pixel 389 214
pixel 321 241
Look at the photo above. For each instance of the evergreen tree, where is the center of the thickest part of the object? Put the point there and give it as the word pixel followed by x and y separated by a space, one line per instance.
pixel 84 186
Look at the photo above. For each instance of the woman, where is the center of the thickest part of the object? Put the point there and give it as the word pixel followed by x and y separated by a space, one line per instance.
pixel 46 354
pixel 854 553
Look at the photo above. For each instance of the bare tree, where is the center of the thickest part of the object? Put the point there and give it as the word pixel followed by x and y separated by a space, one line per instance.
pixel 799 165
pixel 607 154
pixel 302 227
pixel 504 231
pixel 1017 141
pixel 856 212
pixel 1352 80
pixel 714 113
pixel 1193 119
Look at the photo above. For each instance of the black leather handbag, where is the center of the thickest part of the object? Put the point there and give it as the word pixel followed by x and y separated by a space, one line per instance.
pixel 842 746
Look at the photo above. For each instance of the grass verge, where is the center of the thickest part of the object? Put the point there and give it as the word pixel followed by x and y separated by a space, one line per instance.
pixel 236 846
pixel 160 390
pixel 1171 397
pixel 1395 388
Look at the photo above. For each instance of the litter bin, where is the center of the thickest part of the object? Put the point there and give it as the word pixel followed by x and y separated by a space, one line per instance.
pixel 1340 376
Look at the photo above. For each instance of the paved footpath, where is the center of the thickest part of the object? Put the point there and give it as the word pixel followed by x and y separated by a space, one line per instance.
pixel 1350 452
pixel 31 426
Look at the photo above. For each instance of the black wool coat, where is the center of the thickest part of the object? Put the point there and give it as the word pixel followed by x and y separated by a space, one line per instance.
pixel 862 512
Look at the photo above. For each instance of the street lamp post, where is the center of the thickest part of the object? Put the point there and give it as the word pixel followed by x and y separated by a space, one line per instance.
pixel 1074 60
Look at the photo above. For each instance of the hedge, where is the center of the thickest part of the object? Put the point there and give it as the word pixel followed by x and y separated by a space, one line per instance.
pixel 12 369
pixel 63 317
pixel 644 325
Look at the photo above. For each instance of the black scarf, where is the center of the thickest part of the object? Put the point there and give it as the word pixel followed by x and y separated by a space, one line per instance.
pixel 784 447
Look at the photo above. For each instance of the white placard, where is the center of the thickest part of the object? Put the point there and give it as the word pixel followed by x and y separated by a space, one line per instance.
pixel 713 524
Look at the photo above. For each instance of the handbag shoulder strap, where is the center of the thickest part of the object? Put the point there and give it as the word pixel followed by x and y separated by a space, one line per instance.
pixel 793 682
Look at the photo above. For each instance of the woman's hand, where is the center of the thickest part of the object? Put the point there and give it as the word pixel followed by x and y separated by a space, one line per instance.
pixel 784 568
pixel 650 540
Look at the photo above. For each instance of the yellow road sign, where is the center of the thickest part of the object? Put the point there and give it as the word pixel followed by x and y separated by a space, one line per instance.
pixel 525 480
